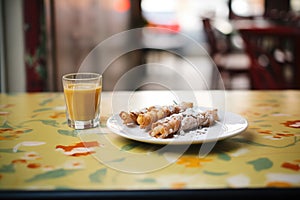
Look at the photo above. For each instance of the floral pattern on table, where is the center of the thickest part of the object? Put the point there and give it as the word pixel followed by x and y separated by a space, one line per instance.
pixel 39 151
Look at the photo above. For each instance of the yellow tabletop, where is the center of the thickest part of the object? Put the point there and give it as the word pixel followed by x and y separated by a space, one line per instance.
pixel 38 151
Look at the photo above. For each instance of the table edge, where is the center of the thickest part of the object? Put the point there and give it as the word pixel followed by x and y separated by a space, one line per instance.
pixel 244 193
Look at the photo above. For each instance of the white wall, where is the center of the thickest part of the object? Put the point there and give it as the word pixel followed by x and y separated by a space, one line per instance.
pixel 14 66
pixel 2 71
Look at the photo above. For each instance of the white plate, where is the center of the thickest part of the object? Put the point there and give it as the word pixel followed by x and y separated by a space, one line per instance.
pixel 229 125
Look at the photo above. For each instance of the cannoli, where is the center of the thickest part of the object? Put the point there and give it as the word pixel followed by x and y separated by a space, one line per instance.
pixel 187 120
pixel 145 117
pixel 156 113
pixel 129 118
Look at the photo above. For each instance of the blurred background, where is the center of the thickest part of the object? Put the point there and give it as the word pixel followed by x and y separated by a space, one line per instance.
pixel 43 39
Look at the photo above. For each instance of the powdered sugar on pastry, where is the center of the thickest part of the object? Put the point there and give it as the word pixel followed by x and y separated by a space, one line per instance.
pixel 190 119
pixel 147 116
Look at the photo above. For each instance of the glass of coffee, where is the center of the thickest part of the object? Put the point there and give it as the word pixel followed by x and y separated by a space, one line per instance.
pixel 82 92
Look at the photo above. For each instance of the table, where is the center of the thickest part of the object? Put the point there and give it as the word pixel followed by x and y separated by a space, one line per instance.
pixel 40 157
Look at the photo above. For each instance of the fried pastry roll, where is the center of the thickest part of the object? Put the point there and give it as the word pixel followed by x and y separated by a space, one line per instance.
pixel 190 119
pixel 159 112
pixel 145 117
pixel 167 126
pixel 129 118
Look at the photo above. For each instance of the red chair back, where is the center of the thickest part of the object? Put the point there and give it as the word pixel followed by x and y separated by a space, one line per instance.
pixel 272 54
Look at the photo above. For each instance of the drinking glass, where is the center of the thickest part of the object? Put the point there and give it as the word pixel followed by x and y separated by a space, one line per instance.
pixel 82 92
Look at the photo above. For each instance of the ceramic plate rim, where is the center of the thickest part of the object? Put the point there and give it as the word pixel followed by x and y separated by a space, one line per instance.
pixel 114 124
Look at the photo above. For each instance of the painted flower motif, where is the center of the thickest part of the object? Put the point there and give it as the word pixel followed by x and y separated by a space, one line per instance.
pixel 59 112
pixel 178 185
pixel 240 152
pixel 275 135
pixel 260 164
pixel 3 106
pixel 34 165
pixel 294 165
pixel 31 156
pixel 3 117
pixel 56 115
pixel 282 180
pixel 48 167
pixel 280 114
pixel 192 161
pixel 74 164
pixel 28 144
pixel 21 161
pixel 28 161
pixel 10 133
pixel 78 149
pixel 292 124
pixel 268 106
pixel 238 181
pixel 176 181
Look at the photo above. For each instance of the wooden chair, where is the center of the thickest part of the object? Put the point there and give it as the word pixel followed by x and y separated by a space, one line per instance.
pixel 230 62
pixel 273 55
